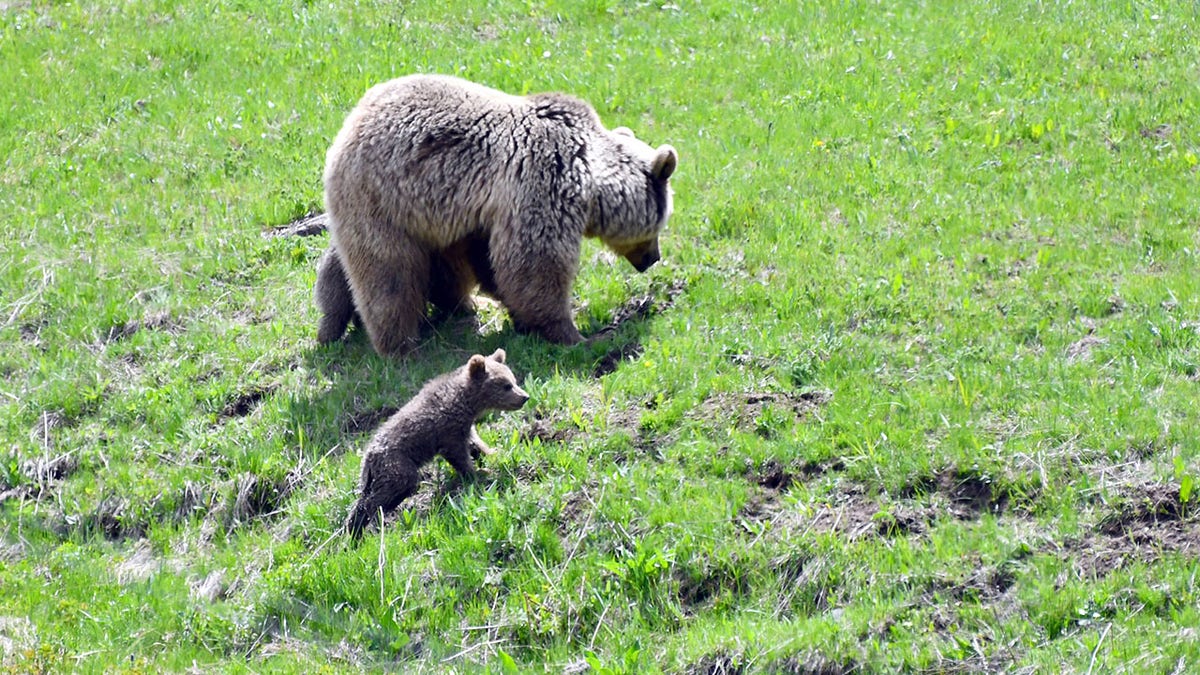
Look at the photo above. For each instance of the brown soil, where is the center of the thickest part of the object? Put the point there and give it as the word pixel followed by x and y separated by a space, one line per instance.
pixel 637 308
pixel 613 359
pixel 47 423
pixel 1146 522
pixel 157 321
pixel 245 403
pixel 851 512
pixel 745 409
pixel 1160 133
pixel 544 430
pixel 306 226
pixel 369 420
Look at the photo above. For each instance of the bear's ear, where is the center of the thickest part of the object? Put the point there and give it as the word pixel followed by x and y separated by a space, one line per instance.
pixel 498 356
pixel 664 162
pixel 624 131
pixel 477 367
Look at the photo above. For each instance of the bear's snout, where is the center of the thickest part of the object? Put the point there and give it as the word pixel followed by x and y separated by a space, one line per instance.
pixel 647 261
pixel 642 256
pixel 517 398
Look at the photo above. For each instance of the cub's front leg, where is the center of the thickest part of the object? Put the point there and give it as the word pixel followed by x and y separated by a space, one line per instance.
pixel 477 446
pixel 459 457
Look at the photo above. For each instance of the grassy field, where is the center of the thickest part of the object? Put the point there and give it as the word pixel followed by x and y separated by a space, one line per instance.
pixel 915 387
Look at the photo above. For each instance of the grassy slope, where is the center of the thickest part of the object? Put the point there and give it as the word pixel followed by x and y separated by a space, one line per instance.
pixel 937 351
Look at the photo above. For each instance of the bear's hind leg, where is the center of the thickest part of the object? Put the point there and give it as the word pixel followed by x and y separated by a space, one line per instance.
pixel 451 281
pixel 333 297
pixel 390 289
pixel 384 486
pixel 479 255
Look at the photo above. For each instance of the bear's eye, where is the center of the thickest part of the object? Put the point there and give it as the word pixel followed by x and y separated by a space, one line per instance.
pixel 508 386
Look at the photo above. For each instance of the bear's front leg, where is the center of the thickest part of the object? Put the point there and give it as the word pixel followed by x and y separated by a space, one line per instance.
pixel 459 457
pixel 477 446
pixel 558 331
pixel 533 280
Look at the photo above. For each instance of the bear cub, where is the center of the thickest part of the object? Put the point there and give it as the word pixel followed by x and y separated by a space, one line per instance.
pixel 439 420
pixel 436 186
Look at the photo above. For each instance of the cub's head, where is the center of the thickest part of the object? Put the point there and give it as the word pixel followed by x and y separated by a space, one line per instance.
pixel 633 196
pixel 494 382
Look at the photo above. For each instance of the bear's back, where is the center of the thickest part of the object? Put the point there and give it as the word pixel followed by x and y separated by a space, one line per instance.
pixel 436 415
pixel 445 157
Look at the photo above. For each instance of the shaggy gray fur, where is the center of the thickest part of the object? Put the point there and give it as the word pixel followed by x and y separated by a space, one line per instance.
pixel 435 186
pixel 439 420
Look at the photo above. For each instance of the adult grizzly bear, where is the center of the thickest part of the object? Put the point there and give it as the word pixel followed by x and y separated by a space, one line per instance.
pixel 436 185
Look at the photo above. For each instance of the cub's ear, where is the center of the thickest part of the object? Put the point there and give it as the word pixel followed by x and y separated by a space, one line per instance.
pixel 498 356
pixel 624 131
pixel 477 367
pixel 664 162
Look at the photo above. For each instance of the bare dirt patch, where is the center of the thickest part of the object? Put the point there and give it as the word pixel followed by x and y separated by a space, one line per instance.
pixel 42 476
pixel 1081 350
pixel 487 32
pixel 231 503
pixel 156 321
pixel 773 476
pixel 1153 504
pixel 853 513
pixel 614 357
pixel 527 472
pixel 812 663
pixel 638 308
pixel 1144 523
pixel 45 470
pixel 47 423
pixel 849 512
pixel 1160 132
pixel 258 497
pixel 546 431
pixel 110 518
pixel 305 226
pixel 984 583
pixel 720 662
pixel 368 420
pixel 436 484
pixel 577 509
pixel 970 494
pixel 211 588
pixel 31 332
pixel 252 316
pixel 938 606
pixel 17 634
pixel 11 551
pixel 701 582
pixel 245 403
pixel 748 410
pixel 140 565
pixel 193 500
pixel 658 300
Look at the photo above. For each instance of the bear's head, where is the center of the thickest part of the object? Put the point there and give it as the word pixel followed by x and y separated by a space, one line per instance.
pixel 494 383
pixel 633 196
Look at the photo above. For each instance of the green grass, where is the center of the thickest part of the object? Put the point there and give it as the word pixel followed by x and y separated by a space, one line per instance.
pixel 919 390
